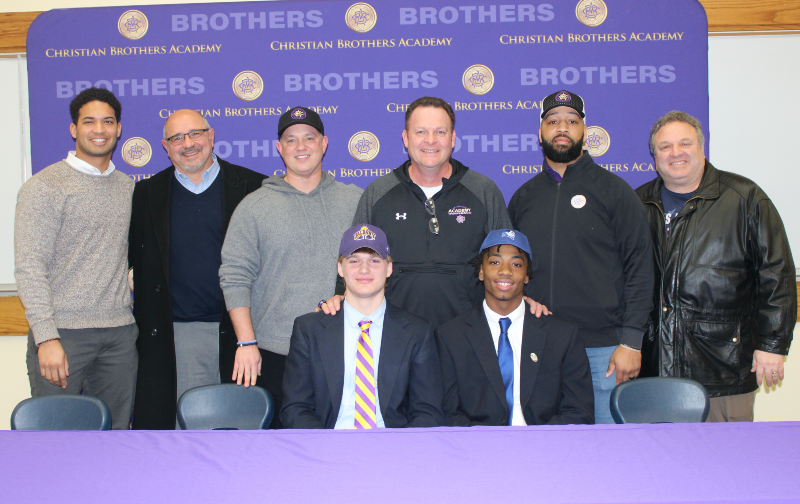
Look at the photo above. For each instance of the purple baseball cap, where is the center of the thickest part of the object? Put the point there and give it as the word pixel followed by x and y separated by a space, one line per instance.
pixel 364 236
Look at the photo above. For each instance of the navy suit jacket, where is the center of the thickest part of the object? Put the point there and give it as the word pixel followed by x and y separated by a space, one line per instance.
pixel 409 377
pixel 555 380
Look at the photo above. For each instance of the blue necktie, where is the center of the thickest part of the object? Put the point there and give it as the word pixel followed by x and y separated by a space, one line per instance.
pixel 505 357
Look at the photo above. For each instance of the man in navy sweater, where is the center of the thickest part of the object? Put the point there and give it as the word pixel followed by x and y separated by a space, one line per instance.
pixel 180 217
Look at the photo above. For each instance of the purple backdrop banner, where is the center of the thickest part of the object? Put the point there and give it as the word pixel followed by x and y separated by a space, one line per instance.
pixel 359 65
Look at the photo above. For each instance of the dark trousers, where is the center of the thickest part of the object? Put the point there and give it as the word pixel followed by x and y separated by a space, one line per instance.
pixel 102 364
pixel 272 366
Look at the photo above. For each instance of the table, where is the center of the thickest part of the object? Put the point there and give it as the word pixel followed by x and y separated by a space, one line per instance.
pixel 663 463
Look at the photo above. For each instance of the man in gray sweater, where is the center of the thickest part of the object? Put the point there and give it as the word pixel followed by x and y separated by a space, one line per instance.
pixel 281 242
pixel 70 250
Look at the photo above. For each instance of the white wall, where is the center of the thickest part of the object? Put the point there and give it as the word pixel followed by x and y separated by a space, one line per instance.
pixel 753 114
pixel 14 134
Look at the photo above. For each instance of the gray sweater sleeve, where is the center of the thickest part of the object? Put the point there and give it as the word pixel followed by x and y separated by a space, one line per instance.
pixel 241 259
pixel 36 226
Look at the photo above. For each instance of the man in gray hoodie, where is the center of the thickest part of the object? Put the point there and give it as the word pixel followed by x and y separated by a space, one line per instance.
pixel 277 253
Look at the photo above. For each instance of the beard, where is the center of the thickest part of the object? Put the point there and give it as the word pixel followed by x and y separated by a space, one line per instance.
pixel 562 154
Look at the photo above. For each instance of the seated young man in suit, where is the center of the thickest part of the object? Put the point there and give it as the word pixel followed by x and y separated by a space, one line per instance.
pixel 503 366
pixel 370 365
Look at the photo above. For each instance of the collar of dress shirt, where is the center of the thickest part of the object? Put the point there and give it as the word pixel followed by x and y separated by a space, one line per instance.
pixel 84 167
pixel 517 316
pixel 208 177
pixel 353 317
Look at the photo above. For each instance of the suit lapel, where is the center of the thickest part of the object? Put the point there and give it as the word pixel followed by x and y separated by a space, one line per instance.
pixel 480 337
pixel 394 340
pixel 233 191
pixel 533 340
pixel 160 200
pixel 330 341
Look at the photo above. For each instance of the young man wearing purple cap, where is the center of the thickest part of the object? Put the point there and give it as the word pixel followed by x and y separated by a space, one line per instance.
pixel 594 256
pixel 371 364
pixel 280 243
pixel 503 366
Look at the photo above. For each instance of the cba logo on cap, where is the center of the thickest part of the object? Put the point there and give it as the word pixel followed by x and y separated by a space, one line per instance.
pixel 248 85
pixel 298 114
pixel 364 234
pixel 364 146
pixel 132 24
pixel 478 79
pixel 136 152
pixel 591 12
pixel 361 17
pixel 597 141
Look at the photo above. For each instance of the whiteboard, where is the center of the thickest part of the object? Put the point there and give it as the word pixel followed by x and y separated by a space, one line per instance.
pixel 752 109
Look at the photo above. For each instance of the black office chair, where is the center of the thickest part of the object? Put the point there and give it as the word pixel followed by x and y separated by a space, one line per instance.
pixel 227 406
pixel 659 400
pixel 61 412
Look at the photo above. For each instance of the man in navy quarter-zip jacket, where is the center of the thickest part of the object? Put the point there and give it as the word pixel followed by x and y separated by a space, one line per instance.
pixel 593 256
pixel 436 213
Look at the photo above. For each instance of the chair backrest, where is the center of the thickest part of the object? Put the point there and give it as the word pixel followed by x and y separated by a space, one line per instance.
pixel 61 412
pixel 227 406
pixel 655 400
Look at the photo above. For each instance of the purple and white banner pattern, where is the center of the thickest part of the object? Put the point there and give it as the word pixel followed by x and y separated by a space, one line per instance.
pixel 359 65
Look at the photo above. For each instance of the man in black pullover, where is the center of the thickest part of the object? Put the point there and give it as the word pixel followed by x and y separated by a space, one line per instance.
pixel 594 255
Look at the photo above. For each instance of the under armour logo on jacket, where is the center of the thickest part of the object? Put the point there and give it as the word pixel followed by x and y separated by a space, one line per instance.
pixel 399 216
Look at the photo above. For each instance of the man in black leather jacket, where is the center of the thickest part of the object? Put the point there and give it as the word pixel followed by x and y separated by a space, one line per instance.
pixel 725 293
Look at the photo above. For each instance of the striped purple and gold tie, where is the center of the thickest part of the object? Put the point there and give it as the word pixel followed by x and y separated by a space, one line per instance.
pixel 365 380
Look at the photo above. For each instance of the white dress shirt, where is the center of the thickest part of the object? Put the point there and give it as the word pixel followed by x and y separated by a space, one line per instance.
pixel 84 167
pixel 515 338
pixel 352 332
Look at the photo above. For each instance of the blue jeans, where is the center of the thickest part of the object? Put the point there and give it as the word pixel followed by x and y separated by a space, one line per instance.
pixel 598 362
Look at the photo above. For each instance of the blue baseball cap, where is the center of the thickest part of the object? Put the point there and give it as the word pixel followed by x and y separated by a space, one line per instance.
pixel 364 236
pixel 506 237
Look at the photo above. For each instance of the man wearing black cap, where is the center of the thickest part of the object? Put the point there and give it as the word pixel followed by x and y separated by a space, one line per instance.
pixel 594 258
pixel 372 364
pixel 280 244
pixel 503 366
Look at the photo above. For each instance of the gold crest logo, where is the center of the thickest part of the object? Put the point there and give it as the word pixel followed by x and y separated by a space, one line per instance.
pixel 361 17
pixel 136 152
pixel 478 79
pixel 597 141
pixel 132 25
pixel 591 12
pixel 364 146
pixel 248 85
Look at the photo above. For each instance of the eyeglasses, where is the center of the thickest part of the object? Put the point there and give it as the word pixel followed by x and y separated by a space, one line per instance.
pixel 433 224
pixel 194 135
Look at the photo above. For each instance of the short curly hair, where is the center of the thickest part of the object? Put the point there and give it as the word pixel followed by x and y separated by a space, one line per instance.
pixel 94 94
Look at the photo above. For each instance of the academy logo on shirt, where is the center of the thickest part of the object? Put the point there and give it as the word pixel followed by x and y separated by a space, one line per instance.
pixel 364 234
pixel 460 212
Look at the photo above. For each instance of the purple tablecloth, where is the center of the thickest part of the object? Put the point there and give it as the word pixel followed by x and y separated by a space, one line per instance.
pixel 689 463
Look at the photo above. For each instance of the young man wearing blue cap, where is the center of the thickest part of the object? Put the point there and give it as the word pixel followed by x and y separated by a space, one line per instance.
pixel 371 364
pixel 503 366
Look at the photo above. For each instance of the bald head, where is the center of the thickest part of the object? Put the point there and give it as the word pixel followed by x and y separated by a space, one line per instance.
pixel 180 115
pixel 190 156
